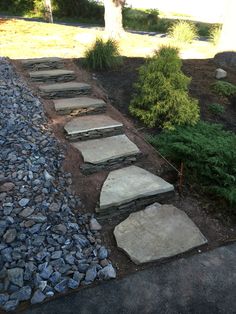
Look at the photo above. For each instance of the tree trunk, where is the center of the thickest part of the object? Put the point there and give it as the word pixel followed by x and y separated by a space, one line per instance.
pixel 113 18
pixel 48 11
pixel 227 40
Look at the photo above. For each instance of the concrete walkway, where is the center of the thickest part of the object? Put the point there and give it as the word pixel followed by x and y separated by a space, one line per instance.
pixel 201 284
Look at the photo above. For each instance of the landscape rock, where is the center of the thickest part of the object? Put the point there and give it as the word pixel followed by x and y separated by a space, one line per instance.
pixel 220 73
pixel 10 235
pixel 226 58
pixel 91 274
pixel 73 284
pixel 7 187
pixel 10 305
pixel 15 275
pixel 102 253
pixel 3 298
pixel 26 212
pixel 23 294
pixel 62 286
pixel 108 272
pixel 94 225
pixel 23 202
pixel 37 297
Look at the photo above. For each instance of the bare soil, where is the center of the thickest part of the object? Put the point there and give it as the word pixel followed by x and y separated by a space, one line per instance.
pixel 116 88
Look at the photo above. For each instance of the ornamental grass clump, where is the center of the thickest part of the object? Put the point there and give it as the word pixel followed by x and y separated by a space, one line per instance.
pixel 161 97
pixel 183 32
pixel 103 55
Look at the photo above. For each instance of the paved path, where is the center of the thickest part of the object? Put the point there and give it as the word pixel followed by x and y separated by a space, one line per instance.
pixel 201 284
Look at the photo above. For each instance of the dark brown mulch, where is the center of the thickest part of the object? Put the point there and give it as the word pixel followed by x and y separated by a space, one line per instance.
pixel 117 87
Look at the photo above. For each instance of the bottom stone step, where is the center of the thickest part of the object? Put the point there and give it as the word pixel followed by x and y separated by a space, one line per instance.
pixel 107 153
pixel 158 231
pixel 130 189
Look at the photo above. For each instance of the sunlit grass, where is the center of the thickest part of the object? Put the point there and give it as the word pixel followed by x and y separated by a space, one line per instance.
pixel 23 39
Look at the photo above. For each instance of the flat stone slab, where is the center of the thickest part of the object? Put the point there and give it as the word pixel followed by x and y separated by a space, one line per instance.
pixel 64 89
pixel 43 63
pixel 89 126
pixel 101 150
pixel 58 75
pixel 158 231
pixel 131 183
pixel 79 103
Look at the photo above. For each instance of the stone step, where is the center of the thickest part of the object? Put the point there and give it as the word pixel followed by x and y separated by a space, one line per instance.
pixel 79 106
pixel 107 153
pixel 69 89
pixel 43 63
pixel 131 189
pixel 91 127
pixel 58 75
pixel 157 232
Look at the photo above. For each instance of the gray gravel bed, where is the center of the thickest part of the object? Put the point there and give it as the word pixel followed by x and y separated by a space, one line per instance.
pixel 47 246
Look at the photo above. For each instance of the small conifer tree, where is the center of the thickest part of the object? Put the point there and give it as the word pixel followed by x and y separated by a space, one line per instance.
pixel 161 97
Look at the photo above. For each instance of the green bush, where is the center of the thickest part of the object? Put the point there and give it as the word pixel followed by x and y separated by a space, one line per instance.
pixel 16 6
pixel 183 32
pixel 223 88
pixel 208 153
pixel 162 92
pixel 215 33
pixel 80 9
pixel 86 9
pixel 203 29
pixel 216 109
pixel 103 55
pixel 144 20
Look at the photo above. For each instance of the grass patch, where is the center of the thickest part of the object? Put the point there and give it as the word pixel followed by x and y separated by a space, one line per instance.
pixel 103 55
pixel 208 153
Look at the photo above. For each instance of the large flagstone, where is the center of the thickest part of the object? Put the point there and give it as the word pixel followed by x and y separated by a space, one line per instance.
pixel 158 231
pixel 131 183
pixel 104 149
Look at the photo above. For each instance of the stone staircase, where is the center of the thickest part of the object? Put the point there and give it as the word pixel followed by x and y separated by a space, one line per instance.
pixel 101 141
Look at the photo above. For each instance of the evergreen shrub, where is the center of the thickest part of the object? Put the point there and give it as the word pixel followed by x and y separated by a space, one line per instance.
pixel 161 97
pixel 223 88
pixel 208 153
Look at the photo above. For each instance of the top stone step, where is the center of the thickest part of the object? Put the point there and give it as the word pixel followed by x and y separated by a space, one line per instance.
pixel 58 75
pixel 69 89
pixel 43 63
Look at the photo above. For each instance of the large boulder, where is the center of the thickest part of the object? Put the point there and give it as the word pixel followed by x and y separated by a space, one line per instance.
pixel 226 59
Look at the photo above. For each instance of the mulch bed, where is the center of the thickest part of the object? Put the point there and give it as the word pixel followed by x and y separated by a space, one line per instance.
pixel 116 87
